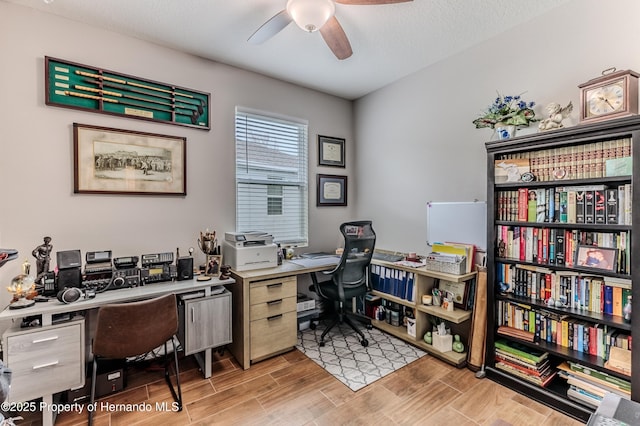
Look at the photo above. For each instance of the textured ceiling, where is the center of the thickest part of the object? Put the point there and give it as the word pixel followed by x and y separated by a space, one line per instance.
pixel 388 41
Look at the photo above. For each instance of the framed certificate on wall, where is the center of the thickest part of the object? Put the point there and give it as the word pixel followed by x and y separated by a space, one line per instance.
pixel 330 151
pixel 331 190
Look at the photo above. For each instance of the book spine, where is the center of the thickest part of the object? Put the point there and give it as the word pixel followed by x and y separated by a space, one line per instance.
pixel 611 206
pixel 523 204
pixel 560 247
pixel 589 207
pixel 599 202
pixel 563 207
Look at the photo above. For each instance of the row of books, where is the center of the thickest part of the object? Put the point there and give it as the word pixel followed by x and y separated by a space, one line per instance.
pixel 589 386
pixel 590 204
pixel 593 160
pixel 396 282
pixel 598 294
pixel 541 325
pixel 526 363
pixel 563 247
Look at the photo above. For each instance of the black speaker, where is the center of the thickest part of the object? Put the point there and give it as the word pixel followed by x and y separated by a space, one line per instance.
pixel 185 268
pixel 69 278
pixel 69 259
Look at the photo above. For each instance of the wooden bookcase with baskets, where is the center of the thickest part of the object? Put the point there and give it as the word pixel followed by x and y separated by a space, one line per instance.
pixel 541 229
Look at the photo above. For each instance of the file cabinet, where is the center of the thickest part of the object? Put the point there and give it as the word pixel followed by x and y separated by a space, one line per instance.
pixel 273 316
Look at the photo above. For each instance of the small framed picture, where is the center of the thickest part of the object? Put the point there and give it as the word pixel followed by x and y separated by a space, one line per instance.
pixel 595 257
pixel 331 190
pixel 457 292
pixel 330 151
pixel 212 267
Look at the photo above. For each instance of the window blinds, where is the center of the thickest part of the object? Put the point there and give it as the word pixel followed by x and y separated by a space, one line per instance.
pixel 271 176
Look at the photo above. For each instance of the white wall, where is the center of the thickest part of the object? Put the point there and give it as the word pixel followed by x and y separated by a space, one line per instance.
pixel 415 140
pixel 36 145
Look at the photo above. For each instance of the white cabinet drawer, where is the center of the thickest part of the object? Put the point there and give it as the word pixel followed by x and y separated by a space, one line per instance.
pixel 45 360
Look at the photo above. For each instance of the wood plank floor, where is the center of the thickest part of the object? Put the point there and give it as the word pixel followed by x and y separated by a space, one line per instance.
pixel 290 389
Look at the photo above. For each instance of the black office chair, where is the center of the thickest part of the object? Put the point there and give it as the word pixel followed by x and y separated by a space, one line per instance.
pixel 126 330
pixel 349 277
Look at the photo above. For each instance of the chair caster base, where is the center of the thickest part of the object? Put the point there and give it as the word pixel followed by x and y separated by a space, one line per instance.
pixel 365 342
pixel 321 344
pixel 369 327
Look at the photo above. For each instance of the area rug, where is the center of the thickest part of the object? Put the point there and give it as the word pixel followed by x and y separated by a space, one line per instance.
pixel 348 361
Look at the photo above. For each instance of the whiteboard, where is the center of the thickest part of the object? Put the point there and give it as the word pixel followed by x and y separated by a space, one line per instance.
pixel 459 222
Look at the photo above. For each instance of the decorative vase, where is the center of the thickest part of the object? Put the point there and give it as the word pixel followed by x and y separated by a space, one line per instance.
pixel 505 131
pixel 427 338
pixel 457 346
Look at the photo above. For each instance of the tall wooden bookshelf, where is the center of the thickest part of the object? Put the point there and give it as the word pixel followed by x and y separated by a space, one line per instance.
pixel 563 160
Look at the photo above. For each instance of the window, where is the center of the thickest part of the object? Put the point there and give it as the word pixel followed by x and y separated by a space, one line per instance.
pixel 271 176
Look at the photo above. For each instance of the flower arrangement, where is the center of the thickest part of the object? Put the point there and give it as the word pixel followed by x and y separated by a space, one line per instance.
pixel 507 110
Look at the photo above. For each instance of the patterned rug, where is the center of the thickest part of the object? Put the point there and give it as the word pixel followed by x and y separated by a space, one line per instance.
pixel 348 361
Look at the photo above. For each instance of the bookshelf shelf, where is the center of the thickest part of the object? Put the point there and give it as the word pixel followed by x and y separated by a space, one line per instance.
pixel 455 358
pixel 458 316
pixel 424 281
pixel 547 216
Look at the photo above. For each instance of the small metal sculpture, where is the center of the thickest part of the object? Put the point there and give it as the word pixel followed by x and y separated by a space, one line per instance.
pixel 556 115
pixel 42 253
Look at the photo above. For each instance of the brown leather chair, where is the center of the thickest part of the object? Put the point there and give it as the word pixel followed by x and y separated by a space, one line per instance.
pixel 131 329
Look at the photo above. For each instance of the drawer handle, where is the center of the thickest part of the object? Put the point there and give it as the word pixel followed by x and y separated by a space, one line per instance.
pixel 46 339
pixel 49 364
pixel 274 285
pixel 274 302
pixel 274 317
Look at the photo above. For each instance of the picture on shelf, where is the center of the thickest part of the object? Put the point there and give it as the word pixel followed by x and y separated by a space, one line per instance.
pixel 596 257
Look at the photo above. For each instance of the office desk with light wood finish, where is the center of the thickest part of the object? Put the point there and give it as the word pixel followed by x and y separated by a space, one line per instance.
pixel 264 310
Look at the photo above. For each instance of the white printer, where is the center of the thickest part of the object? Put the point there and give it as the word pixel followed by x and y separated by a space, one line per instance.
pixel 245 251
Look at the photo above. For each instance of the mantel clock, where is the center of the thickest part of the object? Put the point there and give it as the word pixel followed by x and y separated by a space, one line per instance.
pixel 613 95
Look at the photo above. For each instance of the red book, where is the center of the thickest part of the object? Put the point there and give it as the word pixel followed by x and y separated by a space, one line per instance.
pixel 547 287
pixel 545 245
pixel 523 204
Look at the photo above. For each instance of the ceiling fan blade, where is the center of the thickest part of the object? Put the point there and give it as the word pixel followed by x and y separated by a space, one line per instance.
pixel 270 28
pixel 365 2
pixel 336 39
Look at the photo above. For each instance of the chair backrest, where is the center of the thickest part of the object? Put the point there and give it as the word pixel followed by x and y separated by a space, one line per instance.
pixel 359 244
pixel 130 329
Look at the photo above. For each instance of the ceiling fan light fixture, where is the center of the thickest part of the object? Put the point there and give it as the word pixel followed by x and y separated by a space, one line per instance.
pixel 310 15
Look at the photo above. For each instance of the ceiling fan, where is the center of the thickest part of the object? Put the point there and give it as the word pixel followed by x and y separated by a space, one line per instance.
pixel 311 16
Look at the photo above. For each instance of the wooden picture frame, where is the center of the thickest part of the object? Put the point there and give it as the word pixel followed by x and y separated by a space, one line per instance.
pixel 594 257
pixel 115 161
pixel 212 267
pixel 331 151
pixel 460 291
pixel 331 190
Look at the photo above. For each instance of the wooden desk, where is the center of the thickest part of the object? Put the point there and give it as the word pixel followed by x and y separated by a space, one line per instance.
pixel 264 309
pixel 68 338
pixel 266 325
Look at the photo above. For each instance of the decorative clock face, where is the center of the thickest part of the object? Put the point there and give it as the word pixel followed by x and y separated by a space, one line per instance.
pixel 606 99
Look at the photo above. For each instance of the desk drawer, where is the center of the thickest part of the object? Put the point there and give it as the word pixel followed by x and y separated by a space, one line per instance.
pixel 266 291
pixel 273 334
pixel 273 307
pixel 45 361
